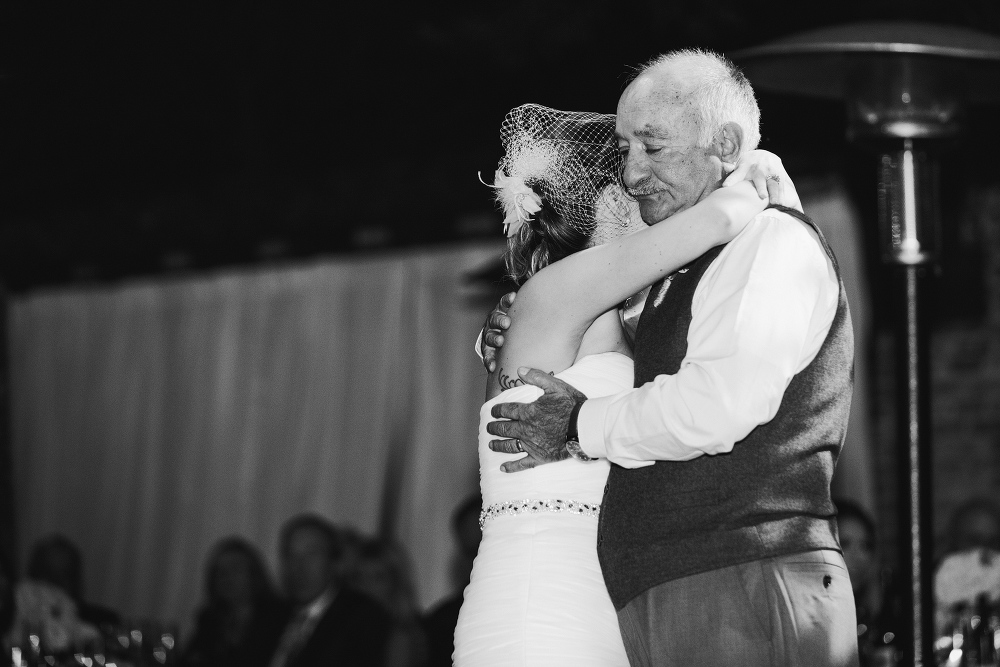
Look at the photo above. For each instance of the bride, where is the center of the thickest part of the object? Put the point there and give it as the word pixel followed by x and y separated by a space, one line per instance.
pixel 578 249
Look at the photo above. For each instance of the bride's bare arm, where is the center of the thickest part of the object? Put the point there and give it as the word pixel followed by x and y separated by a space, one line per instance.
pixel 573 292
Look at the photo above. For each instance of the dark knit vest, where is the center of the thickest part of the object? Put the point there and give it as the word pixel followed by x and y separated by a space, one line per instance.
pixel 769 496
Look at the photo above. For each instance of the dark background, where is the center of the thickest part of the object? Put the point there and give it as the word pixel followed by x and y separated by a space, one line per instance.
pixel 140 140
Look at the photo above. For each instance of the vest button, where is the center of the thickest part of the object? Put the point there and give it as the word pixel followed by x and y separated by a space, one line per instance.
pixel 600 540
pixel 606 487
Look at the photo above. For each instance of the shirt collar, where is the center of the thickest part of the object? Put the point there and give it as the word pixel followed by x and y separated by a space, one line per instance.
pixel 318 607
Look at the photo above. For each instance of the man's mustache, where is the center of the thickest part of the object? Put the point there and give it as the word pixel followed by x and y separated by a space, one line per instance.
pixel 641 189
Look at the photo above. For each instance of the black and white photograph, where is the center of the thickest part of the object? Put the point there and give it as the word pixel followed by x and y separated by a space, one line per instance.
pixel 508 334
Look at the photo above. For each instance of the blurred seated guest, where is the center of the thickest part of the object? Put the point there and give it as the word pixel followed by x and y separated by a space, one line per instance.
pixel 330 624
pixel 51 613
pixel 242 618
pixel 970 567
pixel 383 574
pixel 877 603
pixel 974 525
pixel 440 623
pixel 56 560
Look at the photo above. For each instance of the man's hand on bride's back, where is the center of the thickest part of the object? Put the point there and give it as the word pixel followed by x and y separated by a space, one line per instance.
pixel 765 170
pixel 538 429
pixel 496 323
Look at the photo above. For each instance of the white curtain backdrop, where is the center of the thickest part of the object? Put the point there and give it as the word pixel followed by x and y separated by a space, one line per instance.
pixel 153 418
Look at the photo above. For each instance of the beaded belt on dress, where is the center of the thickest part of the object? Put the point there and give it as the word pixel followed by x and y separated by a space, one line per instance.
pixel 513 507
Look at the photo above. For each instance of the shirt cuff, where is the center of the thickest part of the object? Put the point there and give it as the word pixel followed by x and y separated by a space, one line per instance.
pixel 590 426
pixel 479 345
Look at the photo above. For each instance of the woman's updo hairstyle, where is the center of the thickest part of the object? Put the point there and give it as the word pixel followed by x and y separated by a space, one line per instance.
pixel 564 161
pixel 545 239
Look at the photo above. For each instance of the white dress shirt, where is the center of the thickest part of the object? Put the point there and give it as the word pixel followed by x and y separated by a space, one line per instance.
pixel 759 315
pixel 300 628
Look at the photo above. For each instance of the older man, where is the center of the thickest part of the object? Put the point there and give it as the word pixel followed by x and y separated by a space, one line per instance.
pixel 717 535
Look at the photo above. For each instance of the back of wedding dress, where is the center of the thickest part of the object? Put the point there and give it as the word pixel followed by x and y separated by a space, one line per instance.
pixel 537 595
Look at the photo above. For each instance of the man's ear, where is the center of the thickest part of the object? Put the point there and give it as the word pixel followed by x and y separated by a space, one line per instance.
pixel 728 142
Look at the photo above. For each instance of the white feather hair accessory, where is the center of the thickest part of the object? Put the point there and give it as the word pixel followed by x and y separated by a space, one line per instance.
pixel 518 201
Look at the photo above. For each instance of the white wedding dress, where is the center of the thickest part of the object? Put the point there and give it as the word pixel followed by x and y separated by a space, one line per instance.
pixel 537 596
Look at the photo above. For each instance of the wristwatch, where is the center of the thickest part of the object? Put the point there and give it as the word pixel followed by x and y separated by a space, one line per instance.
pixel 573 436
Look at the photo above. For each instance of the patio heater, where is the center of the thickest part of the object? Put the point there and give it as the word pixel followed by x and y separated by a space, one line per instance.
pixel 906 87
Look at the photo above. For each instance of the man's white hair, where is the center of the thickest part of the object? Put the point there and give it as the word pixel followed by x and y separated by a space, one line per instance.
pixel 720 91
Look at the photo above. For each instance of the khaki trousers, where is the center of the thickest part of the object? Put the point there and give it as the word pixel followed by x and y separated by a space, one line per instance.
pixel 782 612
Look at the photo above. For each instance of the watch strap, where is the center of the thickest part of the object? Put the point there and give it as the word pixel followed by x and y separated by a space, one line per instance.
pixel 572 432
pixel 573 436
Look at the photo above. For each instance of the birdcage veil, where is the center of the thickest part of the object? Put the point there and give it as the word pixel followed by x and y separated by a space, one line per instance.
pixel 569 159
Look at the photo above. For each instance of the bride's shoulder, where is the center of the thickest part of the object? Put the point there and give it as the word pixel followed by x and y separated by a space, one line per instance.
pixel 541 283
pixel 535 298
pixel 551 294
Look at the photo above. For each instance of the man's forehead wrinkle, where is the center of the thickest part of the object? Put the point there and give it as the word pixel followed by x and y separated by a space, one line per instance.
pixel 654 103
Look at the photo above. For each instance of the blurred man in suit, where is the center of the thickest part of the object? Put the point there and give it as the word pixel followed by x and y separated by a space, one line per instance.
pixel 330 624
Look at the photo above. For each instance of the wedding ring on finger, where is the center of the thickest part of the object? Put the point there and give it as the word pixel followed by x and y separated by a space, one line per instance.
pixel 518 447
pixel 774 177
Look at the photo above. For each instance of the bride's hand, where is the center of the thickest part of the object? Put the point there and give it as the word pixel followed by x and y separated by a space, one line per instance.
pixel 768 175
pixel 738 204
pixel 491 337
